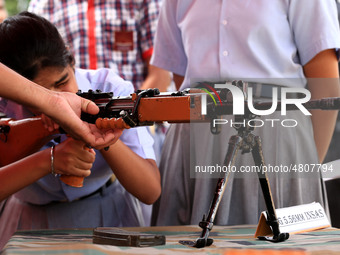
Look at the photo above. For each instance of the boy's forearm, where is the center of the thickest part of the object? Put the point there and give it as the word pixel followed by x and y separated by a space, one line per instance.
pixel 323 120
pixel 24 172
pixel 17 88
pixel 138 175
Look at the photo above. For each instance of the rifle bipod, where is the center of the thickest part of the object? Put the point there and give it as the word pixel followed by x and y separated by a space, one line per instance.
pixel 245 141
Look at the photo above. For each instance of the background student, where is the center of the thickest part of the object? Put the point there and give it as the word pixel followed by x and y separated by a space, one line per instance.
pixel 278 43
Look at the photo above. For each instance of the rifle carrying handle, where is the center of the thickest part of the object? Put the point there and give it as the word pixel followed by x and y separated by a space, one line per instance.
pixel 74 181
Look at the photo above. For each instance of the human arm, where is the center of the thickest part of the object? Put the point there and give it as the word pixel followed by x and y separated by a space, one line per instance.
pixel 63 108
pixel 69 158
pixel 139 176
pixel 323 81
pixel 156 78
pixel 3 11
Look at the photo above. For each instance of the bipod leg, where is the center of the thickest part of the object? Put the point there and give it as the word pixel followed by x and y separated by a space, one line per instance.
pixel 207 223
pixel 264 182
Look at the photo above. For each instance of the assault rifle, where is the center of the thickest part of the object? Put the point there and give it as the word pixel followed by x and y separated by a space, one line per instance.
pixel 148 107
pixel 20 138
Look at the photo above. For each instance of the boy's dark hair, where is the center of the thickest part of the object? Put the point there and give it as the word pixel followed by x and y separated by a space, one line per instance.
pixel 29 43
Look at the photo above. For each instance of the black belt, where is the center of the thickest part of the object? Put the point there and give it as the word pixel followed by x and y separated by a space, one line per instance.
pixel 100 190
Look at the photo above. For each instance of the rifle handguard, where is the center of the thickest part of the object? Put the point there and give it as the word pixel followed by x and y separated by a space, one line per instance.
pixel 111 123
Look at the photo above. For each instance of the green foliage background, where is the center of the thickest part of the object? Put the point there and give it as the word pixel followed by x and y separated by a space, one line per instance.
pixel 16 6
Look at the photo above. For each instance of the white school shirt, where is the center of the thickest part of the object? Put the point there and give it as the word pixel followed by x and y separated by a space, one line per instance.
pixel 243 39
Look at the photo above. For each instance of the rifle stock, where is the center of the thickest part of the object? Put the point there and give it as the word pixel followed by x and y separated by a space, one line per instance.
pixel 21 138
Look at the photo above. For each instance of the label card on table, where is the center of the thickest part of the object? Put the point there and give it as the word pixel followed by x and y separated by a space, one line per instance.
pixel 295 219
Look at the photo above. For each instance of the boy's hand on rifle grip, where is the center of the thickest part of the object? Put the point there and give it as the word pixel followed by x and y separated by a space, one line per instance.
pixel 72 157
